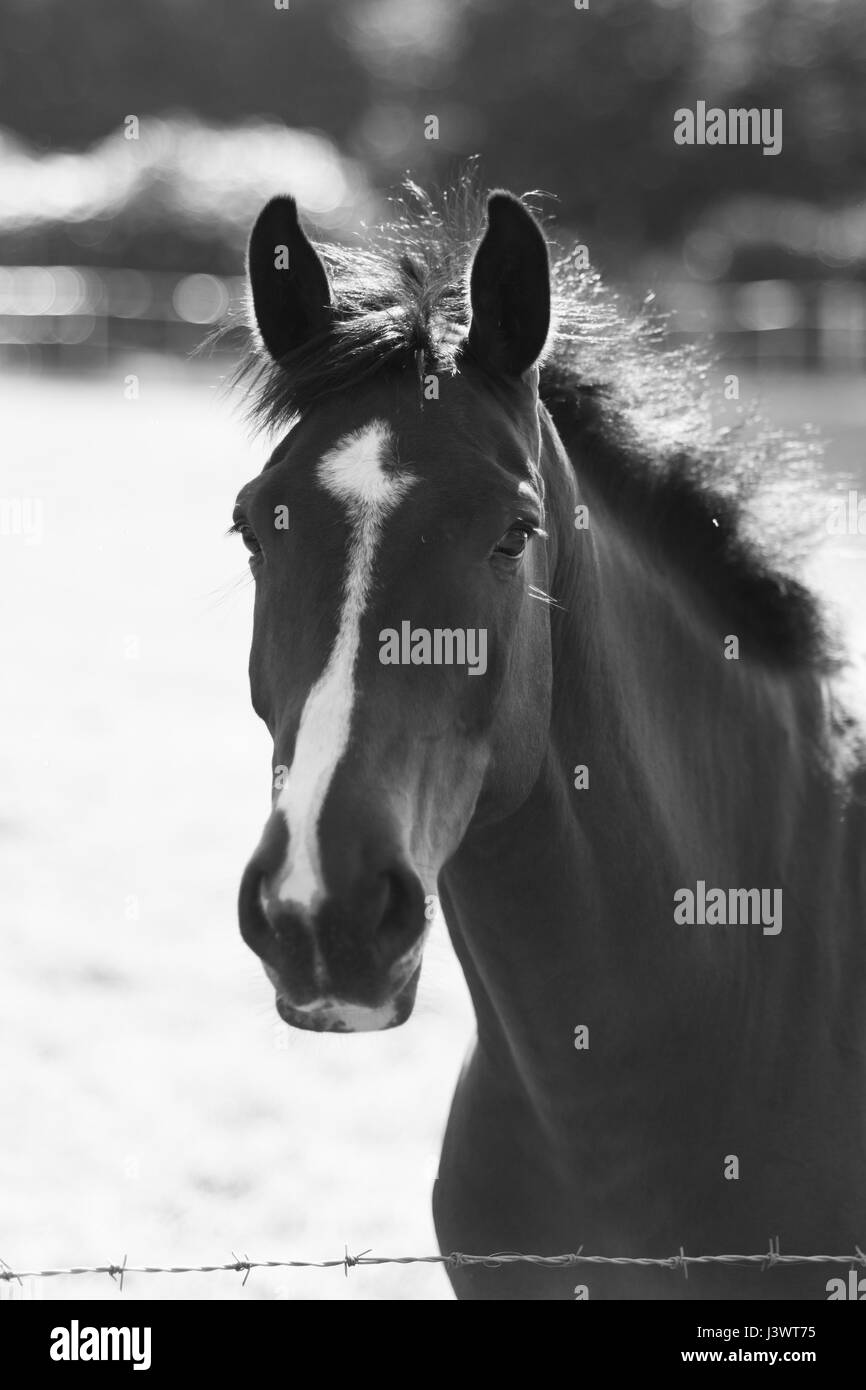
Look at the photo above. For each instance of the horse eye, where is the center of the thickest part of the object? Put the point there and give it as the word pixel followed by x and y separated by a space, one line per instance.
pixel 243 529
pixel 513 543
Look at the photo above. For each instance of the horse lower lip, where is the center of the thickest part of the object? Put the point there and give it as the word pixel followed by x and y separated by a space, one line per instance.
pixel 342 1016
pixel 288 1012
pixel 301 1016
pixel 347 1019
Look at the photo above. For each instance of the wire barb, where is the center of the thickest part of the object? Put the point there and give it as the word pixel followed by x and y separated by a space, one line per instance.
pixel 773 1256
pixel 242 1264
pixel 7 1274
pixel 117 1271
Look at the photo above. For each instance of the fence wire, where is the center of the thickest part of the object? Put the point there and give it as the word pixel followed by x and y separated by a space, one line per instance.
pixel 771 1259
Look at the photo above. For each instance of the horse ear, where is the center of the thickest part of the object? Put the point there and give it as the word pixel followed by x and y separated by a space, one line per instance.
pixel 509 289
pixel 291 293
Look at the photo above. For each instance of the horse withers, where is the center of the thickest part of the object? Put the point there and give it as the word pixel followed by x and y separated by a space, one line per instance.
pixel 519 647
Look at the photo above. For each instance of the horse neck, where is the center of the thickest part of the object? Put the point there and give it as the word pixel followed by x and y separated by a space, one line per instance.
pixel 698 768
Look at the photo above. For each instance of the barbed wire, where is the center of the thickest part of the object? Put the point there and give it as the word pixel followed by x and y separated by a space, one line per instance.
pixel 771 1259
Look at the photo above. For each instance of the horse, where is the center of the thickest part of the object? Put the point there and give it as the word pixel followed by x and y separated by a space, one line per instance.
pixel 644 818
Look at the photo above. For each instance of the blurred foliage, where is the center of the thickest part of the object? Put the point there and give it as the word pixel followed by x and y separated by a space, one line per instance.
pixel 180 194
pixel 581 103
pixel 577 102
pixel 69 73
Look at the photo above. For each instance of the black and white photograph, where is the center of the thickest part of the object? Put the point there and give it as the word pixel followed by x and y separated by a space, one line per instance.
pixel 433 553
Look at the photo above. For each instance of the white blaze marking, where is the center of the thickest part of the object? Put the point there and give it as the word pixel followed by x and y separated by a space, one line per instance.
pixel 352 472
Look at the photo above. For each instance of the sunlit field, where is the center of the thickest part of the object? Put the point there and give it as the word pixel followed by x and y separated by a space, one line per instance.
pixel 153 1104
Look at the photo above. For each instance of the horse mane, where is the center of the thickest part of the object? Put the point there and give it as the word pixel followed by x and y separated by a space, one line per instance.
pixel 737 507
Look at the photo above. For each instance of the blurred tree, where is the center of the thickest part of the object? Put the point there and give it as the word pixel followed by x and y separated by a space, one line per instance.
pixel 581 102
pixel 69 73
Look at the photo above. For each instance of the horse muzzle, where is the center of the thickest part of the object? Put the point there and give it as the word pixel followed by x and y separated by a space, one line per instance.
pixel 346 961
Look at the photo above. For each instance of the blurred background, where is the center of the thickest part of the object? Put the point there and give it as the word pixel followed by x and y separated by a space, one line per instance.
pixel 152 1102
pixel 138 142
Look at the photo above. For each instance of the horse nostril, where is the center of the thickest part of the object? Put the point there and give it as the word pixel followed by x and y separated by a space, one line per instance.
pixel 254 924
pixel 401 915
